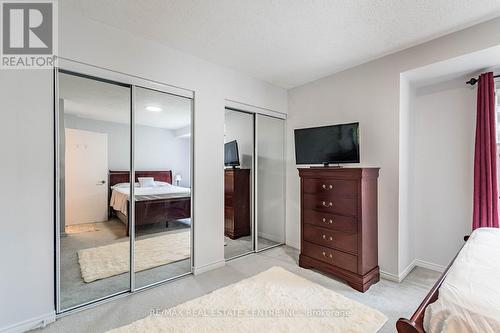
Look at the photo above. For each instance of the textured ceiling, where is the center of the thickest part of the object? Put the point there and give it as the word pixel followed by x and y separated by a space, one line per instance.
pixel 288 42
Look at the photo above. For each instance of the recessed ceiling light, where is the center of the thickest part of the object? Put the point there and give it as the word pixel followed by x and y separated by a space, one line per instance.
pixel 153 108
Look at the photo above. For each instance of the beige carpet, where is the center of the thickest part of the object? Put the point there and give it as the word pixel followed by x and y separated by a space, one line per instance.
pixel 109 260
pixel 79 228
pixel 272 301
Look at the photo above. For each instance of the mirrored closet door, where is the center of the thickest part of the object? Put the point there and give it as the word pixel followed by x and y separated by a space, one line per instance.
pixel 162 155
pixel 94 137
pixel 270 181
pixel 123 178
pixel 238 183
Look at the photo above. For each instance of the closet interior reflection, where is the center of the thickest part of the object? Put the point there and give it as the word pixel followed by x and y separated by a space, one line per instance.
pixel 238 183
pixel 254 182
pixel 270 193
pixel 120 143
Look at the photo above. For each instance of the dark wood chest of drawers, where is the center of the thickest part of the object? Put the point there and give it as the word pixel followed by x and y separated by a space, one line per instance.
pixel 339 223
pixel 236 203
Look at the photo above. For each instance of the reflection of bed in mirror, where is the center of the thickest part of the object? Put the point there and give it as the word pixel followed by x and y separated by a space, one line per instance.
pixel 159 204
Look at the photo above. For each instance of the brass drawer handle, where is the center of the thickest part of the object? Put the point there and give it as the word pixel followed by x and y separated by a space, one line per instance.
pixel 325 204
pixel 330 221
pixel 324 237
pixel 327 187
pixel 329 255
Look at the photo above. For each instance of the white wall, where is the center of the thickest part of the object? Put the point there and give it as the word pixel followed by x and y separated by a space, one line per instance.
pixel 406 178
pixel 349 97
pixel 155 148
pixel 370 94
pixel 27 152
pixel 26 210
pixel 444 158
pixel 440 76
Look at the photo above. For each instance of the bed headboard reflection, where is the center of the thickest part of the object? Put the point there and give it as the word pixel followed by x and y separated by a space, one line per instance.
pixel 116 177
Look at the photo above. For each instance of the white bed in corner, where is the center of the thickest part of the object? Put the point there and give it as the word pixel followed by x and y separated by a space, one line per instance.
pixel 469 297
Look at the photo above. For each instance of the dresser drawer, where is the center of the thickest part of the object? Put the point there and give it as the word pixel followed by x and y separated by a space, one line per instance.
pixel 329 238
pixel 331 221
pixel 228 199
pixel 330 256
pixel 331 205
pixel 330 186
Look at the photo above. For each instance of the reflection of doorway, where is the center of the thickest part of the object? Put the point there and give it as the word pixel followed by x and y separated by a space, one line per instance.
pixel 86 169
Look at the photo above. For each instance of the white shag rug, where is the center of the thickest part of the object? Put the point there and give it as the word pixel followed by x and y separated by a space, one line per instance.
pixel 113 259
pixel 272 301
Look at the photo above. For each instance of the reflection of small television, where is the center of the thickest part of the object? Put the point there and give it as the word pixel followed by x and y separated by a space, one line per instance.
pixel 231 156
pixel 327 144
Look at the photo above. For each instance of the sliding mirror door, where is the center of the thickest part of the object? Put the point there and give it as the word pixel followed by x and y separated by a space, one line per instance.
pixel 162 165
pixel 94 137
pixel 238 175
pixel 270 181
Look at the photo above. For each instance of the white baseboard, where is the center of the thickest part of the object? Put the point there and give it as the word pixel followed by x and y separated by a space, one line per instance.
pixel 292 244
pixel 270 237
pixel 208 267
pixel 36 322
pixel 429 265
pixel 401 276
pixel 407 270
pixel 389 276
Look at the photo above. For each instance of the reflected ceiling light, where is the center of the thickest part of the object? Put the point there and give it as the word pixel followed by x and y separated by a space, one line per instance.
pixel 153 108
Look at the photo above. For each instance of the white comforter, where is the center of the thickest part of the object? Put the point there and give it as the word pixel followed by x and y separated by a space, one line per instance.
pixel 120 195
pixel 469 298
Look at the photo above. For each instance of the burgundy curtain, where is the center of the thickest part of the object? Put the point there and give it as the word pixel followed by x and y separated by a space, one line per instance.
pixel 485 212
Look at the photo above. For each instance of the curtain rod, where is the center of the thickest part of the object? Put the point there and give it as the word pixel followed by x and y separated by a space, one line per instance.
pixel 473 81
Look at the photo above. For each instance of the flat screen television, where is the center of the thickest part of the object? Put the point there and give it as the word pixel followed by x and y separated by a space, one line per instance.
pixel 327 144
pixel 231 155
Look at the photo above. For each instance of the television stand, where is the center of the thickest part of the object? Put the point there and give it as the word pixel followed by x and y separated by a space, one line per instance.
pixel 338 214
